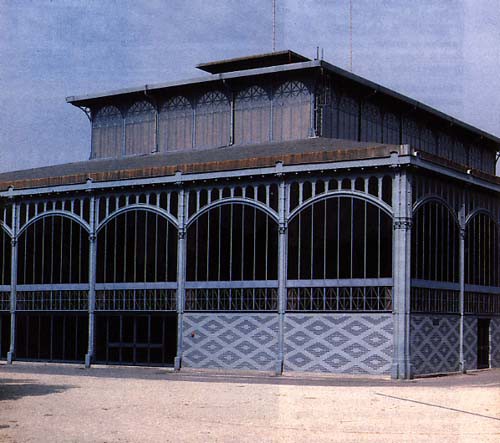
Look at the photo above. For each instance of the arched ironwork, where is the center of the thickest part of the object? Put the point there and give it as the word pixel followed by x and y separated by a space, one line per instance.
pixel 438 199
pixel 135 207
pixel 235 200
pixel 343 193
pixel 60 213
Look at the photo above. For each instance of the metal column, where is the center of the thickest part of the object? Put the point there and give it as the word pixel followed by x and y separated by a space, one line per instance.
pixel 282 273
pixel 13 283
pixel 181 275
pixel 461 274
pixel 89 357
pixel 402 204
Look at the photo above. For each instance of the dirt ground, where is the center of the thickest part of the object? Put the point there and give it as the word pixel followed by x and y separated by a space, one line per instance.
pixel 67 403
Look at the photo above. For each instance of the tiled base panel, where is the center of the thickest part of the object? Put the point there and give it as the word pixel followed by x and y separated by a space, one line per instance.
pixel 339 343
pixel 335 343
pixel 230 341
pixel 434 343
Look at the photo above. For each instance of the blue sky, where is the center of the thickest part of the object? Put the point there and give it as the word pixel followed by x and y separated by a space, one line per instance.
pixel 445 53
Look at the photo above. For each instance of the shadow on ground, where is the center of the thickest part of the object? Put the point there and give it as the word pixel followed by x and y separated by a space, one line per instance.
pixel 14 389
pixel 478 379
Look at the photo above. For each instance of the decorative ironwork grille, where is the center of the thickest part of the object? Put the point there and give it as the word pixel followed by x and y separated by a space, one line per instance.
pixel 136 300
pixel 475 303
pixel 435 300
pixel 231 299
pixel 373 298
pixel 57 300
pixel 4 301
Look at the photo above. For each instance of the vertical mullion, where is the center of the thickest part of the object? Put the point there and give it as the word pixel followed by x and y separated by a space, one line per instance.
pixel 242 242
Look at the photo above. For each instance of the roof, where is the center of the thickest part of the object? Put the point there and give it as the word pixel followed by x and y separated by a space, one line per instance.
pixel 252 62
pixel 284 61
pixel 312 150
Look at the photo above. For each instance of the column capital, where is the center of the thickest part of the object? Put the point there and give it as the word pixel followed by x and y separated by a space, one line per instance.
pixel 402 223
pixel 92 237
pixel 182 234
pixel 14 241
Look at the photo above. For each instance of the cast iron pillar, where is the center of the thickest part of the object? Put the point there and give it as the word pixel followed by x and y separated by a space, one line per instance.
pixel 282 274
pixel 401 271
pixel 13 283
pixel 181 275
pixel 461 276
pixel 89 357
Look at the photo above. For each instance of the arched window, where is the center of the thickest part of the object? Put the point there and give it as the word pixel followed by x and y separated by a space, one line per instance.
pixel 232 242
pixel 435 239
pixel 212 120
pixel 137 246
pixel 252 116
pixel 5 257
pixel 175 125
pixel 291 111
pixel 107 133
pixel 53 250
pixel 140 137
pixel 482 254
pixel 340 238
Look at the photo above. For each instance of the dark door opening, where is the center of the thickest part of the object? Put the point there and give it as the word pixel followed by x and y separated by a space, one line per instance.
pixel 136 338
pixel 54 336
pixel 4 334
pixel 483 343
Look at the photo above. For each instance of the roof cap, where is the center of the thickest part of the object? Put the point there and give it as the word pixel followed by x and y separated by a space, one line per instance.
pixel 252 62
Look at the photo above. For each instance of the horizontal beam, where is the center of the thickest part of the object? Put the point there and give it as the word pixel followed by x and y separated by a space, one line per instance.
pixel 217 175
pixel 451 286
pixel 339 283
pixel 54 287
pixel 239 284
pixel 138 286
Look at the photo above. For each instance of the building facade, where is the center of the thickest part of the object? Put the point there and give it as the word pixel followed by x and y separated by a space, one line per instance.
pixel 280 214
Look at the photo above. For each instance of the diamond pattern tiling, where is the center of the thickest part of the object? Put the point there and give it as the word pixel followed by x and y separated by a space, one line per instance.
pixel 434 348
pixel 339 343
pixel 230 341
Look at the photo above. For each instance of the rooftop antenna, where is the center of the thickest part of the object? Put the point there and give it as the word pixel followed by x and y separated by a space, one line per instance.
pixel 274 25
pixel 350 35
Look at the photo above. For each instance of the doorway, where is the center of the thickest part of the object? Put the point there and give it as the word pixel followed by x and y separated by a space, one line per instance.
pixel 483 343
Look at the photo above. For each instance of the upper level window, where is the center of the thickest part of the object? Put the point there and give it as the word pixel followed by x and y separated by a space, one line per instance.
pixel 213 120
pixel 140 137
pixel 390 128
pixel 291 111
pixel 107 133
pixel 175 125
pixel 371 123
pixel 252 120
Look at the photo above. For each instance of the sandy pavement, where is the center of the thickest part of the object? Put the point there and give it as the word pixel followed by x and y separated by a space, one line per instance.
pixel 66 403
